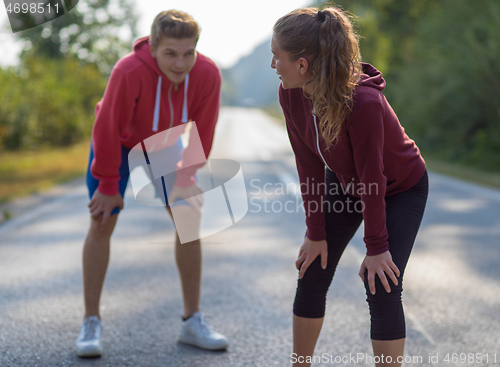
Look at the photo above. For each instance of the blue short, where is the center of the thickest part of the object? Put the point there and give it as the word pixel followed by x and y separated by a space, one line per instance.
pixel 165 183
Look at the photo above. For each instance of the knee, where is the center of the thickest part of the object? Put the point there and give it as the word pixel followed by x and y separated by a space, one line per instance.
pixel 310 303
pixel 185 213
pixel 97 229
pixel 310 298
pixel 386 312
pixel 187 222
pixel 381 295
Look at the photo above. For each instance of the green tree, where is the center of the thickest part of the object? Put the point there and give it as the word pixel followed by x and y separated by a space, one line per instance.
pixel 48 102
pixel 446 94
pixel 387 27
pixel 49 99
pixel 95 31
pixel 439 58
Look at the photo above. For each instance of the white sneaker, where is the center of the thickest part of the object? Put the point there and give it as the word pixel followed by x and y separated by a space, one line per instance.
pixel 196 331
pixel 88 343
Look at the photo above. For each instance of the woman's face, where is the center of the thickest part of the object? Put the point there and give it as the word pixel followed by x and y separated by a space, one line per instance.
pixel 293 74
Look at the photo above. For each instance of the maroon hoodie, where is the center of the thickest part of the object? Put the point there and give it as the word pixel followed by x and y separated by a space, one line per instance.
pixel 126 114
pixel 373 157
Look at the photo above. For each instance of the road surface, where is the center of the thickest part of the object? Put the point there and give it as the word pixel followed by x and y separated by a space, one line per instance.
pixel 452 282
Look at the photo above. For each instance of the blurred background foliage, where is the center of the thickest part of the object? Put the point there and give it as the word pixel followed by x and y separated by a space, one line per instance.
pixel 95 31
pixel 440 61
pixel 439 58
pixel 49 98
pixel 48 102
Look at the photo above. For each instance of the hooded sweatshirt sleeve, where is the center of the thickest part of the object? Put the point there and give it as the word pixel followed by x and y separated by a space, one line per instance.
pixel 311 171
pixel 113 115
pixel 208 90
pixel 366 133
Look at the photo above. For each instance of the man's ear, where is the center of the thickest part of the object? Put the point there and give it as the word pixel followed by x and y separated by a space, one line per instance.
pixel 152 50
pixel 303 66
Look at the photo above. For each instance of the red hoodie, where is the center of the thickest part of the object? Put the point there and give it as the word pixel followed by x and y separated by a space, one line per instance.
pixel 373 157
pixel 125 115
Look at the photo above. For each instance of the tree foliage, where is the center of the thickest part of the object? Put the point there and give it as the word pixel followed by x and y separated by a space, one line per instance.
pixel 387 27
pixel 48 102
pixel 95 31
pixel 440 60
pixel 49 98
pixel 448 85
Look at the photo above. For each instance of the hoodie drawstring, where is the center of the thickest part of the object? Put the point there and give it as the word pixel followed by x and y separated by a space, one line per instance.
pixel 319 150
pixel 185 105
pixel 156 115
pixel 317 143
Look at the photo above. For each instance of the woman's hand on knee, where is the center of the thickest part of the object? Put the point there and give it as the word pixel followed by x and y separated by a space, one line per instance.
pixel 309 251
pixel 380 265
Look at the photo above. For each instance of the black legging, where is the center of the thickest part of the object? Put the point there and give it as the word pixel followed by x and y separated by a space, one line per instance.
pixel 404 213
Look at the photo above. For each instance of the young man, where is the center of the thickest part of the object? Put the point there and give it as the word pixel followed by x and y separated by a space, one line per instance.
pixel 163 83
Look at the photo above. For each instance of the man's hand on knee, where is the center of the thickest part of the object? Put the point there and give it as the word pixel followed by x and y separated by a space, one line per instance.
pixel 192 194
pixel 104 204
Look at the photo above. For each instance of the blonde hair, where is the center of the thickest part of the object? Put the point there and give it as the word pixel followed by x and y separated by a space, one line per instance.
pixel 329 43
pixel 173 24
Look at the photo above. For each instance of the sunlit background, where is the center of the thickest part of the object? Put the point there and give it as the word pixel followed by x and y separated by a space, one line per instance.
pixel 230 29
pixel 438 57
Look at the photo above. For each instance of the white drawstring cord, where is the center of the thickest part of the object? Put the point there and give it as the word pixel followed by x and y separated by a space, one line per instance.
pixel 319 151
pixel 184 106
pixel 156 116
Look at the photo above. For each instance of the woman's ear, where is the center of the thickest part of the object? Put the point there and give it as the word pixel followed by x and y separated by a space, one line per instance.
pixel 303 65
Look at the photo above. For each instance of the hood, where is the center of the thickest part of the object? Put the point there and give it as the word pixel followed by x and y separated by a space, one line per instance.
pixel 141 51
pixel 371 77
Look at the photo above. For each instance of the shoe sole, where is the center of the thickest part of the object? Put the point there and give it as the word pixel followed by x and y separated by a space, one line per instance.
pixel 187 340
pixel 86 353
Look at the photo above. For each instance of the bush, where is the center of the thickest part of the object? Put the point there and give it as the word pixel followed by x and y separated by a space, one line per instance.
pixel 48 102
pixel 446 93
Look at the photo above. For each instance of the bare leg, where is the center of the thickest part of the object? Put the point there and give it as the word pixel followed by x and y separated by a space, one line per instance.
pixel 188 258
pixel 392 348
pixel 95 263
pixel 305 335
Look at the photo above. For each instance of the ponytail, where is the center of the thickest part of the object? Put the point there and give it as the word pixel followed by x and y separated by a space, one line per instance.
pixel 326 39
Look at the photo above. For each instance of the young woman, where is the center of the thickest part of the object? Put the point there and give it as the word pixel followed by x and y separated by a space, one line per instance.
pixel 346 136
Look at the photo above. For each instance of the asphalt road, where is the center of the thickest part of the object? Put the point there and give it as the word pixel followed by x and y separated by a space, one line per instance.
pixel 452 282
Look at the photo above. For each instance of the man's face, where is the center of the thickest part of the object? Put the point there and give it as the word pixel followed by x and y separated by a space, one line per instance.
pixel 175 57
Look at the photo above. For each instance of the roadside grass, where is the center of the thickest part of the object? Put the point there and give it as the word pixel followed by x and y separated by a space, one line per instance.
pixel 466 173
pixel 25 173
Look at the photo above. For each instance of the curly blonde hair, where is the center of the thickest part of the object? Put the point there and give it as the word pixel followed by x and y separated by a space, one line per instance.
pixel 329 43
